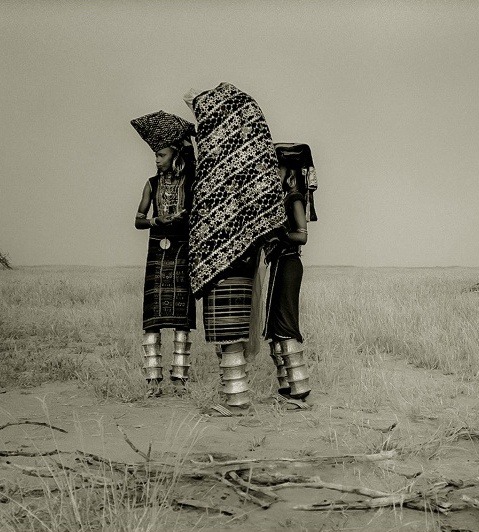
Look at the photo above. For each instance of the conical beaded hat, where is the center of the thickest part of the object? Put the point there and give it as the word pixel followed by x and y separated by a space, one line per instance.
pixel 162 129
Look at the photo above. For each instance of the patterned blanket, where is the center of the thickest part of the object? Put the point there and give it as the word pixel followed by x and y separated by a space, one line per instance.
pixel 237 196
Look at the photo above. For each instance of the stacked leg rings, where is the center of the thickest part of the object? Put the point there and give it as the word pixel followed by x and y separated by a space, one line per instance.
pixel 284 388
pixel 233 366
pixel 152 369
pixel 296 370
pixel 181 357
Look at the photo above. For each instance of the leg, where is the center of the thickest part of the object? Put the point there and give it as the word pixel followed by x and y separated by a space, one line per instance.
pixel 233 365
pixel 296 370
pixel 181 357
pixel 284 387
pixel 153 370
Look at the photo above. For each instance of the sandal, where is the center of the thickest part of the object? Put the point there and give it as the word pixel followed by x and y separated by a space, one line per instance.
pixel 292 404
pixel 218 410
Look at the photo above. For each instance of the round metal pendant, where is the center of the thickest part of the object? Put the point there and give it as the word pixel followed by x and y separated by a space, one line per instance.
pixel 165 243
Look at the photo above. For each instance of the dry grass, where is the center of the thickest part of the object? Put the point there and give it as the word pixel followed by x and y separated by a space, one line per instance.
pixel 100 496
pixel 85 323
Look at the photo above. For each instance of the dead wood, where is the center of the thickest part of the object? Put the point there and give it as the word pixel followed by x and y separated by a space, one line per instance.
pixel 128 441
pixel 193 503
pixel 433 499
pixel 340 505
pixel 317 483
pixel 273 479
pixel 120 467
pixel 253 480
pixel 28 453
pixel 39 423
pixel 32 471
pixel 384 455
pixel 247 496
pixel 48 472
pixel 252 487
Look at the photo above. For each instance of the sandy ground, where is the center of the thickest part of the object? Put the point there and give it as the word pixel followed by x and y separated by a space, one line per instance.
pixel 176 428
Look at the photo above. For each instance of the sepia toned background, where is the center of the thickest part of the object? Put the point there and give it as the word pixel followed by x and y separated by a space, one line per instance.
pixel 384 92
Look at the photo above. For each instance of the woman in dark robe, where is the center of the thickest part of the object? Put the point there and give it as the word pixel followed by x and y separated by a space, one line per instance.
pixel 168 300
pixel 282 307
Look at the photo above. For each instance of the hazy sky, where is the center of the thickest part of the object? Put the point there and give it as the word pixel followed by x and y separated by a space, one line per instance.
pixel 385 92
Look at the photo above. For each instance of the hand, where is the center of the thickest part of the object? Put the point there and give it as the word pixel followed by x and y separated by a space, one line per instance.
pixel 179 215
pixel 164 218
pixel 168 218
pixel 283 235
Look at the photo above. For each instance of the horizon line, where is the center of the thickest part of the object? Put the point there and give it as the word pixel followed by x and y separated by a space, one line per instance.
pixel 142 265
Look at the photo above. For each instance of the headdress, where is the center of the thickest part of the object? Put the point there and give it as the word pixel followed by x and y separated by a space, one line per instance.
pixel 162 129
pixel 295 155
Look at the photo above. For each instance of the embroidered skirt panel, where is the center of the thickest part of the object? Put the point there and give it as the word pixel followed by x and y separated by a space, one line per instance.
pixel 168 301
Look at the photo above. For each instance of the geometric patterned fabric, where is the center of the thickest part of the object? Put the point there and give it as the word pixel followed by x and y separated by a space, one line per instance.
pixel 238 194
pixel 162 129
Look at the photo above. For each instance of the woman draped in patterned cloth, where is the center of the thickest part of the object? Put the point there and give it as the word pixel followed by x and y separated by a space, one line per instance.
pixel 282 305
pixel 237 201
pixel 168 301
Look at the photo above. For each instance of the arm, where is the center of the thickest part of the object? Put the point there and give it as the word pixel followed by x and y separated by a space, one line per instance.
pixel 300 234
pixel 141 221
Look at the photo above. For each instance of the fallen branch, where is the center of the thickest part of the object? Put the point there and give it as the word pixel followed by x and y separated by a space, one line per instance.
pixel 384 455
pixel 29 453
pixel 317 483
pixel 252 487
pixel 128 441
pixel 39 423
pixel 273 479
pixel 31 471
pixel 120 467
pixel 241 493
pixel 46 472
pixel 340 506
pixel 193 503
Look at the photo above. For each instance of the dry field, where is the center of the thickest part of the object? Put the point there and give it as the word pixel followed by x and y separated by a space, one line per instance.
pixel 394 363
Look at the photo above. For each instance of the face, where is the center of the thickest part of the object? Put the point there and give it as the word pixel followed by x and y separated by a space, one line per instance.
pixel 164 158
pixel 288 177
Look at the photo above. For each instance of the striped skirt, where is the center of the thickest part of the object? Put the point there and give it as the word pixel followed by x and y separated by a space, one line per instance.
pixel 227 310
pixel 168 301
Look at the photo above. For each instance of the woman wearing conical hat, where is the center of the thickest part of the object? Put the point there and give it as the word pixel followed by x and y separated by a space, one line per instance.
pixel 168 301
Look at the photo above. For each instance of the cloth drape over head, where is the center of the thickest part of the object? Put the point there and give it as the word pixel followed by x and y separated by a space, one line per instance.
pixel 238 195
pixel 162 129
pixel 296 155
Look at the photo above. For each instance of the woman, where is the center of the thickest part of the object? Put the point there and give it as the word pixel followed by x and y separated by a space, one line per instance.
pixel 237 200
pixel 168 301
pixel 282 306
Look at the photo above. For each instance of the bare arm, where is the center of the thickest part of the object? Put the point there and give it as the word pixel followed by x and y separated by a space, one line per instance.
pixel 141 220
pixel 300 234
